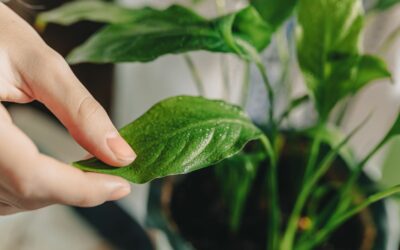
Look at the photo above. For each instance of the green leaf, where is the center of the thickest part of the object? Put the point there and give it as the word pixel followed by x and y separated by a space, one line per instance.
pixel 90 10
pixel 370 68
pixel 236 176
pixel 385 4
pixel 274 12
pixel 180 135
pixel 329 33
pixel 141 35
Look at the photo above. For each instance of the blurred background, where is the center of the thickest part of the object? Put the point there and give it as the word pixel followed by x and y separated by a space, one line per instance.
pixel 127 90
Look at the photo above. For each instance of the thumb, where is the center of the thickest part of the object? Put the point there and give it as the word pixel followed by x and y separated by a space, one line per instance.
pixel 83 116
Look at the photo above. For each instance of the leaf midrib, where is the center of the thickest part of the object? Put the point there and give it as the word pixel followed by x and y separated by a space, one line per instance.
pixel 194 125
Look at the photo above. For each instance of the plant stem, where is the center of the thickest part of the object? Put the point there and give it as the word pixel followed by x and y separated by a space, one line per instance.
pixel 221 9
pixel 309 184
pixel 195 75
pixel 325 232
pixel 314 152
pixel 274 215
pixel 343 111
pixel 245 84
pixel 344 191
pixel 270 92
pixel 254 56
pixel 274 212
pixel 293 105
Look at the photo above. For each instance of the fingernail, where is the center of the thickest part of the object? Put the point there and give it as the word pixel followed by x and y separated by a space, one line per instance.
pixel 121 191
pixel 121 149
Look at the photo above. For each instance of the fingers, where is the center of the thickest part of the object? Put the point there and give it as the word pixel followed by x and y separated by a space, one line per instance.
pixel 67 185
pixel 29 180
pixel 57 87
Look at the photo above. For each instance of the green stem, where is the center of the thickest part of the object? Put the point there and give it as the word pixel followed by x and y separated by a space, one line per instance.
pixel 254 56
pixel 344 191
pixel 325 232
pixel 314 152
pixel 245 85
pixel 195 75
pixel 290 233
pixel 285 57
pixel 343 111
pixel 273 212
pixel 221 9
pixel 270 92
pixel 292 106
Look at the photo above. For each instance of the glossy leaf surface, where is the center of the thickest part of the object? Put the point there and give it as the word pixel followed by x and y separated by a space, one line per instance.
pixel 180 135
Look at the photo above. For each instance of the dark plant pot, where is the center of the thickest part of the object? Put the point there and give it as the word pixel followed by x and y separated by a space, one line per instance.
pixel 191 210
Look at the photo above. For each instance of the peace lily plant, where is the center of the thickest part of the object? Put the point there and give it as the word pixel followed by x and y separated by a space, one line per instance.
pixel 186 133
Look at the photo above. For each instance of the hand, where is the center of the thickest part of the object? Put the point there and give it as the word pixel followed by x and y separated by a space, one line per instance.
pixel 30 70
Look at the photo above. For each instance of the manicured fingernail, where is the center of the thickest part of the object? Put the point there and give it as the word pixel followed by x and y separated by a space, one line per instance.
pixel 120 192
pixel 121 149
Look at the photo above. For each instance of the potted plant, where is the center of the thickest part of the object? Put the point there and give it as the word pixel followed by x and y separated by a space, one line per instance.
pixel 270 187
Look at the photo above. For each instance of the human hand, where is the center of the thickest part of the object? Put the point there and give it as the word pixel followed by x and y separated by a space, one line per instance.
pixel 30 70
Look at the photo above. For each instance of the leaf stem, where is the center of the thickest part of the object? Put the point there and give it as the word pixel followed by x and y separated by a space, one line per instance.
pixel 245 84
pixel 292 106
pixel 221 9
pixel 326 231
pixel 314 152
pixel 290 233
pixel 195 75
pixel 274 212
pixel 344 191
pixel 270 92
pixel 254 56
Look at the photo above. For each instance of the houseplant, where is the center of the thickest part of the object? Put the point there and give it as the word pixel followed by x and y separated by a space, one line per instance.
pixel 252 162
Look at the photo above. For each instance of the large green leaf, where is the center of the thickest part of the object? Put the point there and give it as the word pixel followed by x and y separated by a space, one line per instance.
pixel 180 135
pixel 275 12
pixel 329 52
pixel 141 35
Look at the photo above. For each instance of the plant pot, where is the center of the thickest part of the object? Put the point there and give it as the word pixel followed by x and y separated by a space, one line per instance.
pixel 192 212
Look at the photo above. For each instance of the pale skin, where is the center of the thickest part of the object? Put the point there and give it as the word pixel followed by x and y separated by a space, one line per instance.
pixel 31 70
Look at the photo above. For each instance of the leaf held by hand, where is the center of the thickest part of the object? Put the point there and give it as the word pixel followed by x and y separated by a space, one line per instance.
pixel 180 135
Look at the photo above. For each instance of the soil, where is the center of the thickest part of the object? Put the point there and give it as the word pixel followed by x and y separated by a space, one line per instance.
pixel 195 207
